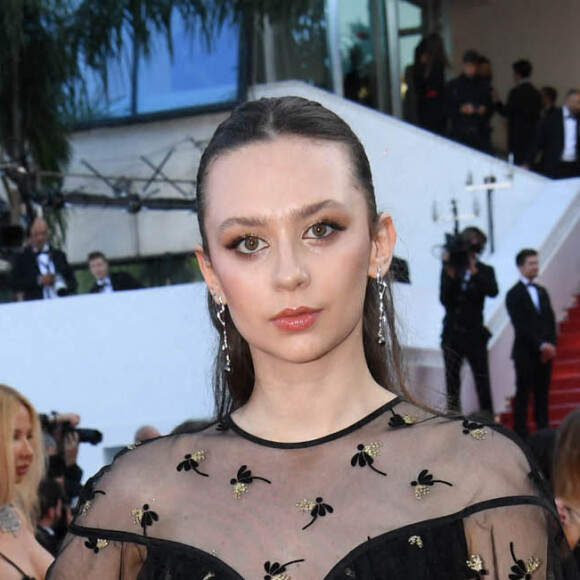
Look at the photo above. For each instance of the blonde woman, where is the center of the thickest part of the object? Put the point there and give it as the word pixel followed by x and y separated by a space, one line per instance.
pixel 21 467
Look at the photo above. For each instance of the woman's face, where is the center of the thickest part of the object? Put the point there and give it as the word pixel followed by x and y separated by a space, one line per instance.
pixel 290 246
pixel 22 443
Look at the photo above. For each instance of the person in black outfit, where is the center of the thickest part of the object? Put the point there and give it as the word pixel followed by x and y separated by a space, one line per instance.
pixel 534 347
pixel 429 82
pixel 558 140
pixel 468 102
pixel 462 293
pixel 522 110
pixel 549 99
pixel 41 270
pixel 109 282
pixel 51 497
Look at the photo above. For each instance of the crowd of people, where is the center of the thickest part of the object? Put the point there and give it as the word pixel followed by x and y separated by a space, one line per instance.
pixel 40 271
pixel 320 462
pixel 541 135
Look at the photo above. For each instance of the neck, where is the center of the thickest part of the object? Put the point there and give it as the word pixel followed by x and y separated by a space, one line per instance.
pixel 293 402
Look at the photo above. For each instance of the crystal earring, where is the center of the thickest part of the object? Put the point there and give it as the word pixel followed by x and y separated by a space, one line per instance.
pixel 382 287
pixel 225 344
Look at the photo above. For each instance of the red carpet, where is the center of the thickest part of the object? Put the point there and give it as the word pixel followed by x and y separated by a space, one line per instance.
pixel 565 385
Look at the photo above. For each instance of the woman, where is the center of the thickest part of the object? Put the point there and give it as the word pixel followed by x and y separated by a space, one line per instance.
pixel 318 467
pixel 566 478
pixel 21 466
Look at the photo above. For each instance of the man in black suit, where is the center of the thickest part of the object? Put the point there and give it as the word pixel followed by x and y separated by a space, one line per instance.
pixel 531 313
pixel 468 104
pixel 51 500
pixel 558 140
pixel 109 282
pixel 522 109
pixel 41 271
pixel 465 282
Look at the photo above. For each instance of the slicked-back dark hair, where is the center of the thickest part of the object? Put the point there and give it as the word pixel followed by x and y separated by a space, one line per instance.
pixel 523 68
pixel 524 254
pixel 265 120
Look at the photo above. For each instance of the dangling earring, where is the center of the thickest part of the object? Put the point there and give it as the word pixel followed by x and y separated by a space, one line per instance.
pixel 382 287
pixel 225 345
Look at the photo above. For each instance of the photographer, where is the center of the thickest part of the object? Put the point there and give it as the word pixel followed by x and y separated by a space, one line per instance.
pixel 41 271
pixel 465 282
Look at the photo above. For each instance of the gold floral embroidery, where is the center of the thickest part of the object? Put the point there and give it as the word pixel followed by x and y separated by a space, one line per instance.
pixel 137 515
pixel 425 482
pixel 479 434
pixel 306 505
pixel 102 543
pixel 409 419
pixel 416 541
pixel 240 489
pixel 532 565
pixel 209 575
pixel 475 563
pixel 133 445
pixel 373 449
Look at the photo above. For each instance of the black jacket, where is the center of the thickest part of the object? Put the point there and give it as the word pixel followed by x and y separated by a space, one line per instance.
pixel 464 307
pixel 549 142
pixel 120 281
pixel 532 328
pixel 522 110
pixel 468 129
pixel 25 273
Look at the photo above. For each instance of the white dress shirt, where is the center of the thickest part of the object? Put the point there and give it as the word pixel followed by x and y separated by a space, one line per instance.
pixel 532 291
pixel 46 266
pixel 570 135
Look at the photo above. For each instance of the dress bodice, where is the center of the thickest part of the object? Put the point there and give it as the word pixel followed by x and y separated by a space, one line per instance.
pixel 401 493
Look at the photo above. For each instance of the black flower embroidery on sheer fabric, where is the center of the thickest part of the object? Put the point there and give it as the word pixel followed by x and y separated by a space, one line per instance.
pixel 223 426
pixel 96 544
pixel 476 430
pixel 404 420
pixel 316 509
pixel 88 492
pixel 276 571
pixel 144 517
pixel 523 570
pixel 366 456
pixel 424 483
pixel 242 481
pixel 475 568
pixel 191 462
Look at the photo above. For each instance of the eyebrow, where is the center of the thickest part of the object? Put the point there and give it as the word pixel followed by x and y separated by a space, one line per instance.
pixel 295 215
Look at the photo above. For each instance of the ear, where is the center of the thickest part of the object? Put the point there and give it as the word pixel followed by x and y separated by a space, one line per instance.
pixel 383 244
pixel 562 511
pixel 208 273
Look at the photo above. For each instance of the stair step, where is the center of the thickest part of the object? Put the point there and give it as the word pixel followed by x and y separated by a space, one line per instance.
pixel 566 339
pixel 570 325
pixel 573 313
pixel 565 382
pixel 508 421
pixel 567 352
pixel 566 367
pixel 557 396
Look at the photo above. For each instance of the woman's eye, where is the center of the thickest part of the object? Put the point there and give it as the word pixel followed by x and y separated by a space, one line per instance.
pixel 321 230
pixel 250 245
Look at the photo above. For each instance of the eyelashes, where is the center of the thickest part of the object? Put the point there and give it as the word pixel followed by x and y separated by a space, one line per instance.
pixel 250 244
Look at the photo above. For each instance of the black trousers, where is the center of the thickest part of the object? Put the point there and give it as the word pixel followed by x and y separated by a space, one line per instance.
pixel 532 376
pixel 454 353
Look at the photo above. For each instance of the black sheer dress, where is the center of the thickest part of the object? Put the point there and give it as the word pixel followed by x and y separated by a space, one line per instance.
pixel 401 494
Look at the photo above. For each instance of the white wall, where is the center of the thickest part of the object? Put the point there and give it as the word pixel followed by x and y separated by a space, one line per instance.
pixel 120 360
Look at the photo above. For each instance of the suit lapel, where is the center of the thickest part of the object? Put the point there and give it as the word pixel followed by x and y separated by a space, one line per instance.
pixel 527 299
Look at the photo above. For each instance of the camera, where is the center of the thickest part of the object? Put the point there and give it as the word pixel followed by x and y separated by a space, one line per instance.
pixel 459 246
pixel 92 436
pixel 60 285
pixel 51 426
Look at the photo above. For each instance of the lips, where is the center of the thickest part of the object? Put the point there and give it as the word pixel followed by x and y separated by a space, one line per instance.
pixel 295 319
pixel 22 469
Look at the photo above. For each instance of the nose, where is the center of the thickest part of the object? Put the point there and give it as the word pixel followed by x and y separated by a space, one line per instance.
pixel 26 449
pixel 290 270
